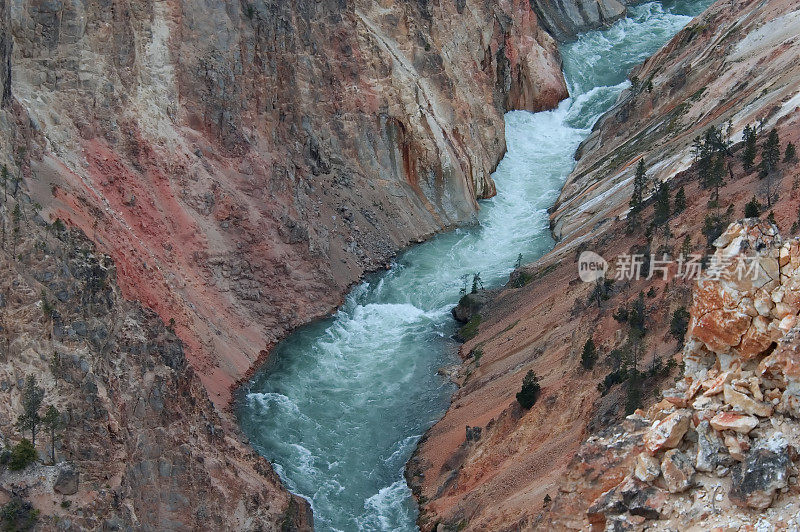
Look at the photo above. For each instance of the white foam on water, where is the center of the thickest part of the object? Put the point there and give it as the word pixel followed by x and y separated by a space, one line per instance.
pixel 342 404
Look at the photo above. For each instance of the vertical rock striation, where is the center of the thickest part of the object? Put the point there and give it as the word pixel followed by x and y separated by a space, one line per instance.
pixel 564 20
pixel 245 162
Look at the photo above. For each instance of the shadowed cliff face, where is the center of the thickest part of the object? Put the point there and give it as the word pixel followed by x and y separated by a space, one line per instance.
pixel 244 163
pixel 565 20
pixel 139 445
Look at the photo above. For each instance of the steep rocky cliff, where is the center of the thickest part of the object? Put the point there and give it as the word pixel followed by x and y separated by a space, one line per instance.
pixel 724 440
pixel 139 445
pixel 729 68
pixel 565 20
pixel 245 162
pixel 505 470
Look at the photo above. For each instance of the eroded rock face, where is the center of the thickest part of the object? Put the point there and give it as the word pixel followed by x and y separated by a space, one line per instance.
pixel 657 123
pixel 141 447
pixel 565 20
pixel 245 163
pixel 740 422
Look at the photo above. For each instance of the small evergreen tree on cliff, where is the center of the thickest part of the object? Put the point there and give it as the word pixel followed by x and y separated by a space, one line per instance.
pixel 749 152
pixel 790 155
pixel 32 396
pixel 770 154
pixel 716 177
pixel 686 246
pixel 752 208
pixel 680 201
pixel 662 207
pixel 589 355
pixel 679 324
pixel 530 391
pixel 52 422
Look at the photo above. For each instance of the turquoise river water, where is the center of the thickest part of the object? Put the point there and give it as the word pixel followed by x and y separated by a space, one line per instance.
pixel 343 401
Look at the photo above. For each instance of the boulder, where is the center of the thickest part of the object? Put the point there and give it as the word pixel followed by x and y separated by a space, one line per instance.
pixel 647 468
pixel 737 444
pixel 755 481
pixel 745 403
pixel 632 496
pixel 668 432
pixel 677 470
pixel 734 421
pixel 711 452
pixel 66 482
pixel 643 499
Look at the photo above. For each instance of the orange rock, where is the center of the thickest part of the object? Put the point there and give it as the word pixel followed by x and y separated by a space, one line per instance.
pixel 715 385
pixel 668 432
pixel 734 421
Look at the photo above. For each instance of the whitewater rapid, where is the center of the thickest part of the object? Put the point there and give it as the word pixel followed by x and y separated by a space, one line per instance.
pixel 343 402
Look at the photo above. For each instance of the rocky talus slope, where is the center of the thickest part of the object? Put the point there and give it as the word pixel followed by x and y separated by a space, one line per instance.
pixel 720 450
pixel 245 162
pixel 734 65
pixel 140 445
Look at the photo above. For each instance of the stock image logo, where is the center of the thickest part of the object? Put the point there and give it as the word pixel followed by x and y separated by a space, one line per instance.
pixel 632 267
pixel 591 267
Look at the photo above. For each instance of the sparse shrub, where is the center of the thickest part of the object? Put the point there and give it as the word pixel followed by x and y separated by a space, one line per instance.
pixel 18 515
pixel 477 354
pixel 470 330
pixel 530 391
pixel 47 308
pixel 22 455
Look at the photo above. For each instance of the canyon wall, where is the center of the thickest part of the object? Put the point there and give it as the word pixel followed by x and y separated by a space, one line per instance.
pixel 566 20
pixel 138 444
pixel 721 447
pixel 245 163
pixel 512 468
pixel 729 68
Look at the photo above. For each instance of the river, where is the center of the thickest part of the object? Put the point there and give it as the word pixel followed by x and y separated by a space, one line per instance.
pixel 343 401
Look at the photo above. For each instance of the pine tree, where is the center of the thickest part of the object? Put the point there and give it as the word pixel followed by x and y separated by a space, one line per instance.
pixel 686 246
pixel 662 207
pixel 717 176
pixel 529 393
pixel 770 154
pixel 680 201
pixel 589 354
pixel 790 155
pixel 752 208
pixel 679 324
pixel 52 422
pixel 749 153
pixel 32 396
pixel 638 315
